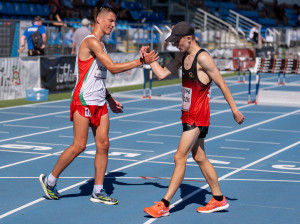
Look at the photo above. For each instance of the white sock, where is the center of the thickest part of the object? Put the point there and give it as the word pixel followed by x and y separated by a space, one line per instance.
pixel 97 188
pixel 51 180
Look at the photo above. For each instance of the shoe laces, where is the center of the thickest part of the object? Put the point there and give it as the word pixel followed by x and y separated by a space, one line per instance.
pixel 158 204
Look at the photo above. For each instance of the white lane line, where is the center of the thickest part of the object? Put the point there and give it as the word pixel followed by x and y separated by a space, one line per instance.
pixel 223 147
pixel 277 130
pixel 149 142
pixel 151 122
pixel 38 153
pixel 42 143
pixel 28 160
pixel 32 117
pixel 67 127
pixel 135 150
pixel 16 113
pixel 264 206
pixel 170 152
pixel 64 136
pixel 4 132
pixel 227 175
pixel 24 126
pixel 287 161
pixel 171 136
pixel 256 142
pixel 229 157
pixel 219 126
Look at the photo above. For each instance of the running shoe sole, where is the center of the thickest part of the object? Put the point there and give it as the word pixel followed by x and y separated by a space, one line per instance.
pixel 105 202
pixel 215 209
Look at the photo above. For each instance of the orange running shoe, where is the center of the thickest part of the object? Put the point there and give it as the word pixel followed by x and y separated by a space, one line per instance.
pixel 157 210
pixel 213 206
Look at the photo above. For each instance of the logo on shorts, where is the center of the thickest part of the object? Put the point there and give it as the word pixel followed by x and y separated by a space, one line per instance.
pixel 87 112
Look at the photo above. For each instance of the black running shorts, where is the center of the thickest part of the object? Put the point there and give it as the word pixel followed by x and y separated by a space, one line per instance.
pixel 203 129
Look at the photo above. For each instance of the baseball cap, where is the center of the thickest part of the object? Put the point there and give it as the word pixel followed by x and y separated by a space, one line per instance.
pixel 38 18
pixel 85 22
pixel 180 30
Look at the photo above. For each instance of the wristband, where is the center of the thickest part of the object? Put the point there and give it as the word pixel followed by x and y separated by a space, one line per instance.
pixel 23 45
pixel 107 96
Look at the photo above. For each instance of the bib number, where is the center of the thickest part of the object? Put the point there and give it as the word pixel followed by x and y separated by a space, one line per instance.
pixel 186 98
pixel 87 112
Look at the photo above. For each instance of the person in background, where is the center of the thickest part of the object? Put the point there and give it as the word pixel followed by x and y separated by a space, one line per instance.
pixel 254 35
pixel 37 25
pixel 88 104
pixel 80 34
pixel 55 13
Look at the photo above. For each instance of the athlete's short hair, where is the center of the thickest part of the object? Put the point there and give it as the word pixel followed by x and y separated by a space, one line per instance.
pixel 103 7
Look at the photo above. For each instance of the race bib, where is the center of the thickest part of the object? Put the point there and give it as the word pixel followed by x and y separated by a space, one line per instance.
pixel 186 98
pixel 101 72
pixel 87 112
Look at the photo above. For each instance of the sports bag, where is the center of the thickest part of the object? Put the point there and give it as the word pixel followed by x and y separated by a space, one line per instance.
pixel 36 39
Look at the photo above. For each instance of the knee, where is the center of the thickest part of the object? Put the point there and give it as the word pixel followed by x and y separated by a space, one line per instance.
pixel 78 147
pixel 103 146
pixel 179 159
pixel 199 158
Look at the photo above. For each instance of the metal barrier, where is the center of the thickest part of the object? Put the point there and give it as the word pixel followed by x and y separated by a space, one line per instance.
pixel 126 37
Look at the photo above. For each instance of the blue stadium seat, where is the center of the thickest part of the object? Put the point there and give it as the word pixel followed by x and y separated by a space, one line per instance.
pixel 2 8
pixel 211 4
pixel 43 10
pixel 25 9
pixel 227 5
pixel 10 8
pixel 136 15
pixel 32 9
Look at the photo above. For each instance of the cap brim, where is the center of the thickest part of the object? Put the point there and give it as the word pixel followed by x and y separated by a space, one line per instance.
pixel 173 38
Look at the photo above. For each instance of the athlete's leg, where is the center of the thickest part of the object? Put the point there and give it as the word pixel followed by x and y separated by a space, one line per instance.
pixel 207 169
pixel 102 146
pixel 80 129
pixel 187 141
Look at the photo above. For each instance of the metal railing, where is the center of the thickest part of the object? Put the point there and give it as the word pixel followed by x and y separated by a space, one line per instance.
pixel 215 33
pixel 243 25
pixel 125 38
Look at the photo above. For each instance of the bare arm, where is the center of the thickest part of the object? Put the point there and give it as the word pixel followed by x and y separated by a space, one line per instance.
pixel 94 46
pixel 207 63
pixel 44 37
pixel 22 41
pixel 170 68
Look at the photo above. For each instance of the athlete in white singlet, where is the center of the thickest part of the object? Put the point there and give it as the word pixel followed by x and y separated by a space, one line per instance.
pixel 88 106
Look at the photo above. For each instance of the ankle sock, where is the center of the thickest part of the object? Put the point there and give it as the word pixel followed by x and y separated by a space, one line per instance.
pixel 218 197
pixel 166 203
pixel 97 188
pixel 51 180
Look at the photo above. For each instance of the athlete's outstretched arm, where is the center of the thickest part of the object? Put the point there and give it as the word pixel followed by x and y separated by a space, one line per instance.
pixel 208 64
pixel 96 48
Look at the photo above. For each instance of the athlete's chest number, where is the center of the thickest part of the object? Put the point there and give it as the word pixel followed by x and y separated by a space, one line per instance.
pixel 186 98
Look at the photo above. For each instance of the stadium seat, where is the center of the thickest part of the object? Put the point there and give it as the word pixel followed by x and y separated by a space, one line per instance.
pixel 227 5
pixel 43 10
pixel 2 8
pixel 25 9
pixel 211 4
pixel 32 10
pixel 10 8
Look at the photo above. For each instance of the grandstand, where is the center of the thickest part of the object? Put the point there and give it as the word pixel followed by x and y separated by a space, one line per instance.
pixel 221 26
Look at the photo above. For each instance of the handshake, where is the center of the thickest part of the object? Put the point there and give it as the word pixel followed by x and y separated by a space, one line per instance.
pixel 147 57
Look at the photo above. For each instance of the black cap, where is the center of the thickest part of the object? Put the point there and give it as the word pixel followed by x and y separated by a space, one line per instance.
pixel 38 18
pixel 180 30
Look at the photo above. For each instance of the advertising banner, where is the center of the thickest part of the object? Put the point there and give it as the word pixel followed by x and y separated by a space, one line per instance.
pixel 17 75
pixel 57 73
